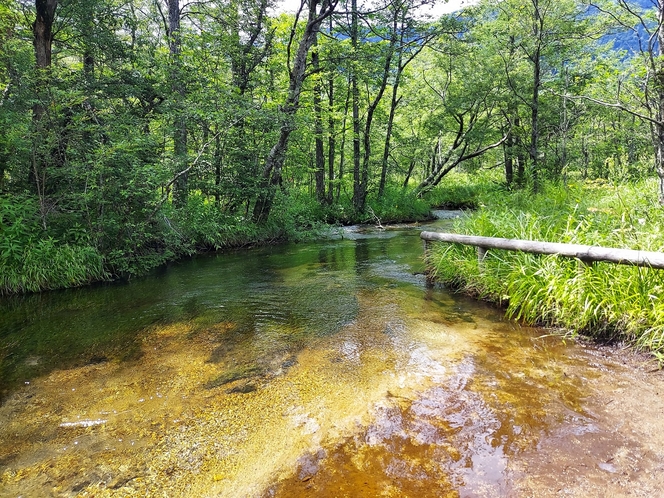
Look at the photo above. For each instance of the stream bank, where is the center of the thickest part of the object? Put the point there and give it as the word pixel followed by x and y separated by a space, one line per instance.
pixel 326 369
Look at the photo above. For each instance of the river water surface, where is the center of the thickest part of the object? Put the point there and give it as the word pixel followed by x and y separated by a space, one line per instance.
pixel 326 369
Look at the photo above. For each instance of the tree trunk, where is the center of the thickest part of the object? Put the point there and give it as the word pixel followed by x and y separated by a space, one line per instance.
pixel 411 167
pixel 274 162
pixel 388 133
pixel 218 158
pixel 331 140
pixel 659 85
pixel 520 156
pixel 42 30
pixel 564 126
pixel 457 153
pixel 342 148
pixel 371 110
pixel 533 150
pixel 509 158
pixel 581 252
pixel 319 169
pixel 404 39
pixel 181 185
pixel 358 186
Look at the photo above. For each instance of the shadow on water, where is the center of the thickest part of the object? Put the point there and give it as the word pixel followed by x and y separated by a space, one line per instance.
pixel 260 305
pixel 41 332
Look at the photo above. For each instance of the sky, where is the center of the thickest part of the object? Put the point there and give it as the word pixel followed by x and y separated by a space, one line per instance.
pixel 441 7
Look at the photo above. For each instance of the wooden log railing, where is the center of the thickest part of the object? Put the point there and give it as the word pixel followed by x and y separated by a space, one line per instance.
pixel 586 254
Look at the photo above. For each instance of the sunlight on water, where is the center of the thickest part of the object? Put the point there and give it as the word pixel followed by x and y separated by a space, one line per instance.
pixel 326 369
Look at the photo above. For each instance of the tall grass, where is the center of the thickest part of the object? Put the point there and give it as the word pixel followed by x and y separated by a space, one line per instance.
pixel 30 260
pixel 602 300
pixel 45 264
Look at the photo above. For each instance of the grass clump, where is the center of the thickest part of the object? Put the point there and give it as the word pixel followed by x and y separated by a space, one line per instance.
pixel 602 300
pixel 32 260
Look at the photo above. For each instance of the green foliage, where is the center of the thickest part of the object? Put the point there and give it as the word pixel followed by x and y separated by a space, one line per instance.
pixel 461 190
pixel 32 261
pixel 398 204
pixel 92 149
pixel 296 216
pixel 606 300
pixel 202 226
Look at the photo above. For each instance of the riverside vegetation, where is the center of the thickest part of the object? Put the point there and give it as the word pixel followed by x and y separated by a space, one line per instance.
pixel 602 300
pixel 135 133
pixel 34 259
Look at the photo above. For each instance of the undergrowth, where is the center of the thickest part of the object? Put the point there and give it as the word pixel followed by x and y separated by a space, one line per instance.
pixel 463 190
pixel 603 300
pixel 66 249
pixel 30 260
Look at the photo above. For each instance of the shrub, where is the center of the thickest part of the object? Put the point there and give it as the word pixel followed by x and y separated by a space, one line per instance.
pixel 32 261
pixel 398 204
pixel 461 190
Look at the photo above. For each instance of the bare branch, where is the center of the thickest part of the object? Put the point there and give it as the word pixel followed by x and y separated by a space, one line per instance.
pixel 615 105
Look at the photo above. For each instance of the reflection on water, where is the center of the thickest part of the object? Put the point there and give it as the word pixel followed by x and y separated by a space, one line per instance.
pixel 326 369
pixel 455 437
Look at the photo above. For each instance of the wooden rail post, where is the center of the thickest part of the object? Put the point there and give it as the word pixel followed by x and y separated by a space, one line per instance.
pixel 481 254
pixel 427 264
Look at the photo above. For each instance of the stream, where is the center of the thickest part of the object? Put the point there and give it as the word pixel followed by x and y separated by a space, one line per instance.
pixel 325 369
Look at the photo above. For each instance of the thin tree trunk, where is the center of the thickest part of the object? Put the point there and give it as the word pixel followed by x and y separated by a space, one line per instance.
pixel 370 114
pixel 402 33
pixel 218 158
pixel 411 167
pixel 331 140
pixel 564 126
pixel 181 185
pixel 533 150
pixel 534 104
pixel 457 153
pixel 510 143
pixel 388 134
pixel 659 86
pixel 342 152
pixel 42 30
pixel 509 158
pixel 319 168
pixel 274 162
pixel 358 186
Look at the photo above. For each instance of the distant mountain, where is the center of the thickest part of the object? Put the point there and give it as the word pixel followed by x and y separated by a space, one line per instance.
pixel 628 40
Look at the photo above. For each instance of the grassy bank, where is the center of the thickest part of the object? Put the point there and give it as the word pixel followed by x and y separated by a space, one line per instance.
pixel 603 300
pixel 75 249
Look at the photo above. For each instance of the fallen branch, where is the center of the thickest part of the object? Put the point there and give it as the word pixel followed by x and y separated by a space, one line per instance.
pixel 378 223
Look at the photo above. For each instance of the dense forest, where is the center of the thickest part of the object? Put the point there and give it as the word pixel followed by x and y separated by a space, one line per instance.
pixel 134 132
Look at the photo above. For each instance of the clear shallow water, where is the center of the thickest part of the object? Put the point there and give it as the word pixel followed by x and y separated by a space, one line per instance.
pixel 322 369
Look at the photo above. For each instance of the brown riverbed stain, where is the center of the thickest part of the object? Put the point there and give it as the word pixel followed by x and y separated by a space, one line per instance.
pixel 385 407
